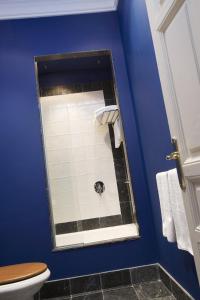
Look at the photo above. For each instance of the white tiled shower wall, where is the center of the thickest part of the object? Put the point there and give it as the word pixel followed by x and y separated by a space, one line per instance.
pixel 78 153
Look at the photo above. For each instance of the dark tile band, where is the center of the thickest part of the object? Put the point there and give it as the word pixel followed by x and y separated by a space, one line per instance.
pixel 146 282
pixel 89 224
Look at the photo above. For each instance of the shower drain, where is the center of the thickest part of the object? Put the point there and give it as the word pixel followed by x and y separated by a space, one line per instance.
pixel 99 187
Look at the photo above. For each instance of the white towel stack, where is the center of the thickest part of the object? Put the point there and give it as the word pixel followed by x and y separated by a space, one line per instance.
pixel 174 222
pixel 107 114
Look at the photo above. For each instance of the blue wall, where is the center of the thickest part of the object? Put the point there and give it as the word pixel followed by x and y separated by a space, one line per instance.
pixel 24 215
pixel 152 127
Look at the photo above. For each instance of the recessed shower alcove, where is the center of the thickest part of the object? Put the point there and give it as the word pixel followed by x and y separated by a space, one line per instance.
pixel 88 182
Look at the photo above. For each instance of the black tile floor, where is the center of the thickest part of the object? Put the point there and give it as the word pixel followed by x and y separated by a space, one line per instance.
pixel 154 290
pixel 142 283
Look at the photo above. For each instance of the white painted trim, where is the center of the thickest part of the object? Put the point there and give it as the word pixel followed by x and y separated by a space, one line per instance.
pixel 168 11
pixel 21 9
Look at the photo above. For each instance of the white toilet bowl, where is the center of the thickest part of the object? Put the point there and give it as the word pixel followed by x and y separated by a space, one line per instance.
pixel 24 289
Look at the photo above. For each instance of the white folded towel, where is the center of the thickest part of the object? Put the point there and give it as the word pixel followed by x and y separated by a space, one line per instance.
pixel 166 211
pixel 178 212
pixel 106 114
pixel 110 114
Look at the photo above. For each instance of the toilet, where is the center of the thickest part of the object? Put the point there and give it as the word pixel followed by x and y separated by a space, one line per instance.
pixel 22 281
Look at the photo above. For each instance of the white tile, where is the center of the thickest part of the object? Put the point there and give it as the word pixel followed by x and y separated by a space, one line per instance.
pixel 52 100
pixel 89 139
pixel 88 199
pixel 108 202
pixel 110 233
pixel 84 112
pixel 97 235
pixel 82 182
pixel 59 156
pixel 81 167
pixel 102 136
pixel 88 126
pixel 109 205
pixel 73 114
pixel 62 188
pixel 65 212
pixel 69 239
pixel 78 154
pixel 82 188
pixel 105 172
pixel 91 165
pixel 106 167
pixel 75 128
pixel 110 198
pixel 61 170
pixel 90 153
pixel 45 109
pixel 102 152
pixel 57 114
pixel 90 211
pixel 57 142
pixel 77 140
pixel 57 128
pixel 64 199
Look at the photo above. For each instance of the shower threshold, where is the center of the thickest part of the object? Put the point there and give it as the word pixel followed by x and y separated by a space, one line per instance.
pixel 102 235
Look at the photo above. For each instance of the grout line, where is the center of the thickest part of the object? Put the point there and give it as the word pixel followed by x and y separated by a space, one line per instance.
pixel 138 296
pixel 70 288
pixel 101 283
pixel 130 275
pixel 103 295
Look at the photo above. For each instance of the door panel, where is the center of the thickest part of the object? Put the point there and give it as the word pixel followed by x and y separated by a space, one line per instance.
pixel 175 31
pixel 194 17
pixel 183 67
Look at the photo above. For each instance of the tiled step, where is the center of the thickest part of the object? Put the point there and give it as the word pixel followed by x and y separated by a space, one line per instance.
pixel 154 290
pixel 142 283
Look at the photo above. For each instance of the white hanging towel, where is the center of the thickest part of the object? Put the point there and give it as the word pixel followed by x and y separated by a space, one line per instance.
pixel 166 211
pixel 117 127
pixel 178 212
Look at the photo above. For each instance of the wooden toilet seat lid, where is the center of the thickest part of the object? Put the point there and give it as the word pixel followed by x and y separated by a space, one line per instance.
pixel 19 272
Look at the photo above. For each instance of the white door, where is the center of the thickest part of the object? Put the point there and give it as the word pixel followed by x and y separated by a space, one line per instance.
pixel 175 27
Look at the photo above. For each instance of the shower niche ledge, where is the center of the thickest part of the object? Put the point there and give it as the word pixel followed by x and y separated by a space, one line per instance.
pixel 88 181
